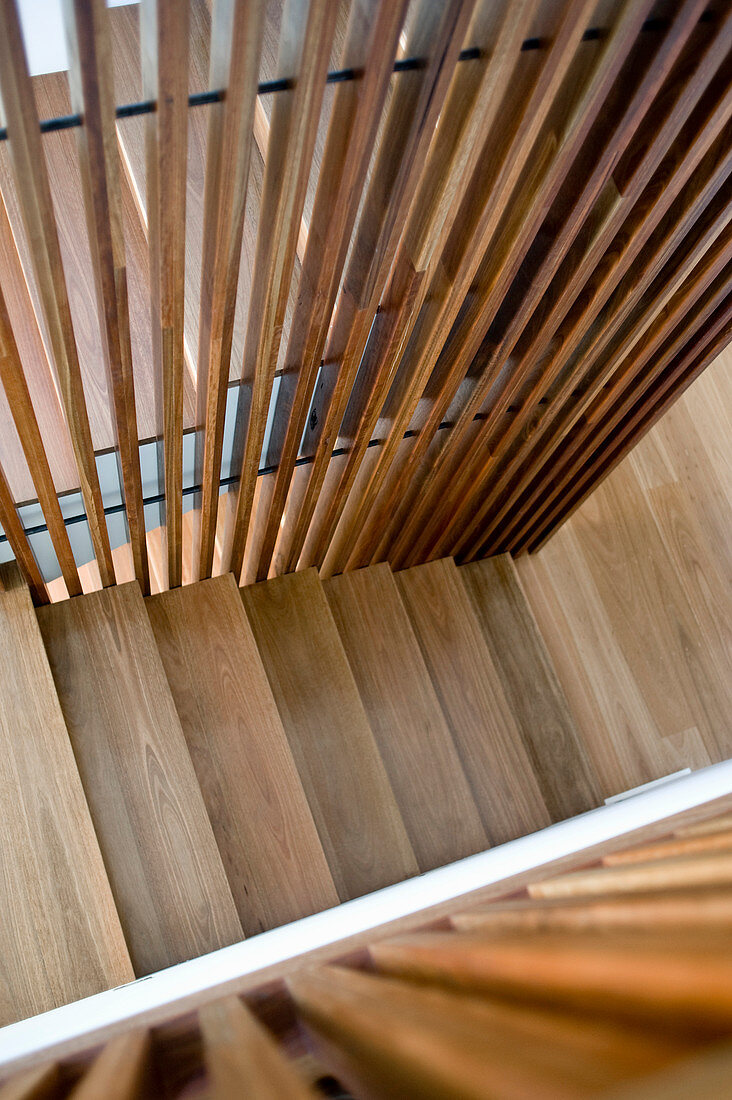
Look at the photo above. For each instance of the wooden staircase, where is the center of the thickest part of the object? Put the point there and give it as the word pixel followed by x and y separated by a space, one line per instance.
pixel 235 759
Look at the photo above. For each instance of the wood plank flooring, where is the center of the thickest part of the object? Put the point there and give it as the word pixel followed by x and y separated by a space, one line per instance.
pixel 60 937
pixel 260 815
pixel 161 857
pixel 353 804
pixel 558 757
pixel 422 762
pixel 473 700
pixel 633 596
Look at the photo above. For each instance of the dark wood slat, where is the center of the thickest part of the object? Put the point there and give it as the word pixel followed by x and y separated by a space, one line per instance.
pixel 92 95
pixel 31 178
pixel 120 1071
pixel 16 536
pixel 43 1083
pixel 236 44
pixel 164 48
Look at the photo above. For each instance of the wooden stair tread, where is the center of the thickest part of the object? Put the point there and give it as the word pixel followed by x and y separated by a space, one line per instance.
pixel 158 846
pixel 473 700
pixel 260 816
pixel 547 728
pixel 353 804
pixel 414 739
pixel 60 936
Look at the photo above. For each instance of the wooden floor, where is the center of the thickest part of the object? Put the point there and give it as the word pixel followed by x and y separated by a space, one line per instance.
pixel 633 597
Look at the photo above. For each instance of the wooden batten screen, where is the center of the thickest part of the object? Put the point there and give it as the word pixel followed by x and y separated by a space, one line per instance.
pixel 378 280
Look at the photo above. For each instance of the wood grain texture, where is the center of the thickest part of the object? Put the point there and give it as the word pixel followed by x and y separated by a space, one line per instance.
pixel 680 872
pixel 60 936
pixel 428 779
pixel 259 813
pixel 242 1059
pixel 159 849
pixel 473 700
pixel 355 811
pixel 545 722
pixel 31 179
pixel 18 542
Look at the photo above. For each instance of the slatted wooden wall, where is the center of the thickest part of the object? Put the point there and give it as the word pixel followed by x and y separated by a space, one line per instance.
pixel 450 283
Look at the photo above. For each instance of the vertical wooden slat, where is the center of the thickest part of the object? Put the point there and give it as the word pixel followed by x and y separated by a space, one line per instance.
pixel 92 95
pixel 37 1084
pixel 437 32
pixel 351 133
pixel 19 544
pixel 242 1059
pixel 164 49
pixel 16 389
pixel 119 1072
pixel 307 33
pixel 31 177
pixel 236 41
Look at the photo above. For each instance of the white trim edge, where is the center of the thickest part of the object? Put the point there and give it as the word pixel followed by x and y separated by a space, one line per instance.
pixel 166 987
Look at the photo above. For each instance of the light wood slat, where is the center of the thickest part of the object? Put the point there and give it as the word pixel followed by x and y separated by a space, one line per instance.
pixel 354 808
pixel 389 1038
pixel 706 828
pixel 259 812
pixel 304 51
pixel 625 364
pixel 639 418
pixel 371 46
pixel 161 857
pixel 495 277
pixel 242 1059
pixel 120 1072
pixel 427 777
pixel 669 874
pixel 686 93
pixel 60 936
pixel 640 912
pixel 37 1084
pixel 92 95
pixel 672 981
pixel 237 30
pixel 436 32
pixel 471 695
pixel 164 49
pixel 21 407
pixel 31 177
pixel 425 258
pixel 646 211
pixel 545 722
pixel 18 541
pixel 705 1076
pixel 674 847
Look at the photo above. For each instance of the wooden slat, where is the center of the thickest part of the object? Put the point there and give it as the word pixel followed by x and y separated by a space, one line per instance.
pixel 92 94
pixel 260 816
pixel 31 178
pixel 305 46
pixel 535 697
pixel 430 785
pixel 389 1038
pixel 683 846
pixel 436 32
pixel 706 828
pixel 469 689
pixel 37 1084
pixel 353 805
pixel 676 107
pixel 495 277
pixel 236 41
pixel 16 389
pixel 704 1076
pixel 242 1059
pixel 667 874
pixel 120 1072
pixel 156 838
pixel 674 981
pixel 643 912
pixel 18 542
pixel 164 48
pixel 60 937
pixel 371 46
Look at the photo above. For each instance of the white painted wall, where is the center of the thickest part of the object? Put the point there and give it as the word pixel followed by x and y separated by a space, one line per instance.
pixel 43 31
